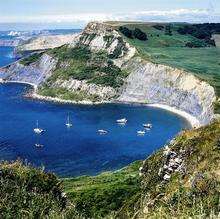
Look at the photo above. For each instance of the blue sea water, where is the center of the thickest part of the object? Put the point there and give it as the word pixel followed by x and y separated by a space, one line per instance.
pixel 79 150
pixel 6 55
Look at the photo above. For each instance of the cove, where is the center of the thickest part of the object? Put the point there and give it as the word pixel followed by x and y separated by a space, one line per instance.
pixel 79 150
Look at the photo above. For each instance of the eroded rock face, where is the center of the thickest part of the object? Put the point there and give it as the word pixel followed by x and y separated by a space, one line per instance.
pixel 151 83
pixel 100 36
pixel 35 73
pixel 46 42
pixel 105 93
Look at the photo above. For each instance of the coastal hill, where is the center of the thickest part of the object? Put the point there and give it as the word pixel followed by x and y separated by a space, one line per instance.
pixel 129 62
pixel 110 62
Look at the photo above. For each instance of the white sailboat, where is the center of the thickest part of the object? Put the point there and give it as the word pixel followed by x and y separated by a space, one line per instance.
pixel 38 145
pixel 68 123
pixel 148 125
pixel 102 132
pixel 122 121
pixel 38 130
pixel 141 132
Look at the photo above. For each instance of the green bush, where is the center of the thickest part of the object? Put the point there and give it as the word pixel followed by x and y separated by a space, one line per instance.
pixel 139 34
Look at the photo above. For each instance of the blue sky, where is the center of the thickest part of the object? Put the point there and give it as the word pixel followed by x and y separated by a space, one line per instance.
pixel 79 12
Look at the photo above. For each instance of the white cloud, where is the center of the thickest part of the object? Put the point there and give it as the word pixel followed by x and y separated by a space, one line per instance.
pixel 178 15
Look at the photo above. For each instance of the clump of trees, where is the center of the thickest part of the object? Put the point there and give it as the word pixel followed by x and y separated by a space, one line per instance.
pixel 133 34
pixel 168 30
pixel 127 32
pixel 201 31
pixel 158 27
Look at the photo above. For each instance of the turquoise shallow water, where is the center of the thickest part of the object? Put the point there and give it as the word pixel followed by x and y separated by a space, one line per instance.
pixel 79 150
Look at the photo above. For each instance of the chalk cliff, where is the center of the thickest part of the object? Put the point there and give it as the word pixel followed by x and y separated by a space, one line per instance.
pixel 152 83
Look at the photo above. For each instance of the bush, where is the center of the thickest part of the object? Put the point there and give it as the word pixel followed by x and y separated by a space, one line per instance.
pixel 128 33
pixel 168 30
pixel 30 59
pixel 158 27
pixel 139 34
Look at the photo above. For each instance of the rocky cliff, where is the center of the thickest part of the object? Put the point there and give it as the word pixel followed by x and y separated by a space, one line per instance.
pixel 151 83
pixel 116 72
pixel 35 73
pixel 46 42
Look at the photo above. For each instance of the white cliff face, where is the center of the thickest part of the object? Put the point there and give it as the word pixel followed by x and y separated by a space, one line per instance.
pixel 35 73
pixel 105 93
pixel 100 36
pixel 46 42
pixel 151 83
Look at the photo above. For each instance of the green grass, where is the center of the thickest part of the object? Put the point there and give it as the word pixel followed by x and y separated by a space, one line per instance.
pixel 30 59
pixel 65 94
pixel 194 192
pixel 82 64
pixel 170 50
pixel 99 196
pixel 26 192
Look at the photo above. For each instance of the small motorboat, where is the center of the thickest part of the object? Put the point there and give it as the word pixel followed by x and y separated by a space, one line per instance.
pixel 38 130
pixel 122 121
pixel 68 123
pixel 102 131
pixel 141 132
pixel 38 145
pixel 147 126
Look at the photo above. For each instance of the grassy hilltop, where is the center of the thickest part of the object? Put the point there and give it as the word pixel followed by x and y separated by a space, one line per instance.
pixel 180 45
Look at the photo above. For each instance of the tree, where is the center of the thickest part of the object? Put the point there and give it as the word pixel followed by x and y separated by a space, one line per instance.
pixel 139 34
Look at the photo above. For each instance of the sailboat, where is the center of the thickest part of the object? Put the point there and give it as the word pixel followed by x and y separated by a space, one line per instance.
pixel 38 130
pixel 68 123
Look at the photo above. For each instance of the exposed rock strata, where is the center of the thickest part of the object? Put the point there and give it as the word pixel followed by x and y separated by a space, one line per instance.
pixel 105 93
pixel 35 73
pixel 46 42
pixel 151 83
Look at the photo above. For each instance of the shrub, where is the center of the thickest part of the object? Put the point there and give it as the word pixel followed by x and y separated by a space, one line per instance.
pixel 158 27
pixel 139 34
pixel 30 59
pixel 127 32
pixel 168 30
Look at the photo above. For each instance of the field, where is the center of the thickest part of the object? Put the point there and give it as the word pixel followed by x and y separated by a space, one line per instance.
pixel 171 50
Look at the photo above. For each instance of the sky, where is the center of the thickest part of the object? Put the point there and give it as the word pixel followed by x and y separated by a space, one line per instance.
pixel 76 13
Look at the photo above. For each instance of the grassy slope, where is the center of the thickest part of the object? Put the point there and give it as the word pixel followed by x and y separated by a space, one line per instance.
pixel 171 50
pixel 106 193
pixel 26 192
pixel 195 191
